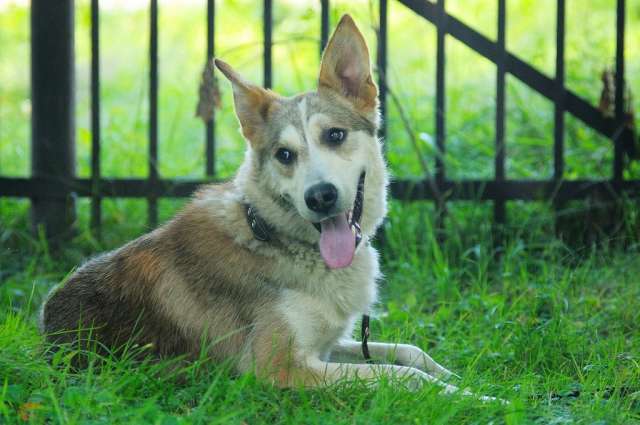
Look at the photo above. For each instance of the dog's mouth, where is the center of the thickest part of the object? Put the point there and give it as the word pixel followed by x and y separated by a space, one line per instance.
pixel 340 235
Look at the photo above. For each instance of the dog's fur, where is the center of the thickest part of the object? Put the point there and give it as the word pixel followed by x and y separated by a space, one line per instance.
pixel 273 307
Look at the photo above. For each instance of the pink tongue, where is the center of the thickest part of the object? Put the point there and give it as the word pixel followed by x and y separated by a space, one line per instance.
pixel 337 242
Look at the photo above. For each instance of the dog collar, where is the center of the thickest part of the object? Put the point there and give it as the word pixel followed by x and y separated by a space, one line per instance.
pixel 260 229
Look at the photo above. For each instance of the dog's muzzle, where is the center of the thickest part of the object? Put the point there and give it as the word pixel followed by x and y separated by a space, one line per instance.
pixel 340 235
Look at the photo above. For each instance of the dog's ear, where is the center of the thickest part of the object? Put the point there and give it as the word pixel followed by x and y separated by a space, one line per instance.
pixel 346 67
pixel 252 103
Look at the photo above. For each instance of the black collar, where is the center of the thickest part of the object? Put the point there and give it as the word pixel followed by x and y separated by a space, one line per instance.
pixel 262 232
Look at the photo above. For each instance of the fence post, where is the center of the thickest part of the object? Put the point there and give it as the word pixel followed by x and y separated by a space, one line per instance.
pixel 52 120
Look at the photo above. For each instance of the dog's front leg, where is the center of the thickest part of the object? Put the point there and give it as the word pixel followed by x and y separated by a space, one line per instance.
pixel 410 359
pixel 331 372
pixel 402 354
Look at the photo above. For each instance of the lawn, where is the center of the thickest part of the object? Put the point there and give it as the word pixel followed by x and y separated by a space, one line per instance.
pixel 539 323
pixel 550 327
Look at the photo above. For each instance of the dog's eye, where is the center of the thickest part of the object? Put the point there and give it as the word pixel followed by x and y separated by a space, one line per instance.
pixel 285 156
pixel 335 136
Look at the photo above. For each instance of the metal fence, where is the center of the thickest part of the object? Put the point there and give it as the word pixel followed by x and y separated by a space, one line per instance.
pixel 53 185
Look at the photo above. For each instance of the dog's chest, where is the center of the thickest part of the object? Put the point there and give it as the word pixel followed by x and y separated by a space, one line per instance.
pixel 324 304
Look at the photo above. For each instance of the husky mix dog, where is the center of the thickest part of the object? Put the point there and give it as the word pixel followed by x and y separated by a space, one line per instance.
pixel 276 266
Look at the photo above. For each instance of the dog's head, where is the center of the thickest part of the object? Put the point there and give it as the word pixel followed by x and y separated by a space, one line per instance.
pixel 314 168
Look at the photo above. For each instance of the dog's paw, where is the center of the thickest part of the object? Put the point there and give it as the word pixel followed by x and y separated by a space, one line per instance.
pixel 413 383
pixel 414 379
pixel 410 355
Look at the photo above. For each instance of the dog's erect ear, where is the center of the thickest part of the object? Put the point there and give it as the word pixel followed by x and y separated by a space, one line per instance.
pixel 346 67
pixel 252 103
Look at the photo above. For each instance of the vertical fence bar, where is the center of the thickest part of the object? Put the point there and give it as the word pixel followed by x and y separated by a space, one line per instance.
pixel 440 114
pixel 53 111
pixel 96 200
pixel 382 69
pixel 381 66
pixel 268 42
pixel 559 108
pixel 499 210
pixel 153 114
pixel 210 136
pixel 440 93
pixel 324 24
pixel 619 107
pixel 559 101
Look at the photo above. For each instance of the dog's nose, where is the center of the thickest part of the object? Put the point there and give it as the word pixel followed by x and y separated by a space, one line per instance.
pixel 321 197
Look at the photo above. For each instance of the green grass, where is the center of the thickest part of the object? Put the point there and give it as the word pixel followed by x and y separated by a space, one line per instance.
pixel 540 318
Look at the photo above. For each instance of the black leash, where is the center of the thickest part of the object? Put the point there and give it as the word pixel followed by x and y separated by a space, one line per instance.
pixel 364 331
pixel 261 231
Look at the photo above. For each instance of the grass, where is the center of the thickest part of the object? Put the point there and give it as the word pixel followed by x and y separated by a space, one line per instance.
pixel 525 320
pixel 542 320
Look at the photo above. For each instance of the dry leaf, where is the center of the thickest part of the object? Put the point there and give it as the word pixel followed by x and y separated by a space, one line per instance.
pixel 26 410
pixel 209 93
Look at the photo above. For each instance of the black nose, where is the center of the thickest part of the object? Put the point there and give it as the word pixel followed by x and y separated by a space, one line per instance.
pixel 321 197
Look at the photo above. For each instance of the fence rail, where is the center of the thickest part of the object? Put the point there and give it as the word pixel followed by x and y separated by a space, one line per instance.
pixel 408 190
pixel 53 186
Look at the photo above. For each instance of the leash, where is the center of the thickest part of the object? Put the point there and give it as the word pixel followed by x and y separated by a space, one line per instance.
pixel 364 332
pixel 261 231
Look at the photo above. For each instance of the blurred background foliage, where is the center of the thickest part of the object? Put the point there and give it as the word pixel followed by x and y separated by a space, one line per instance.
pixel 470 86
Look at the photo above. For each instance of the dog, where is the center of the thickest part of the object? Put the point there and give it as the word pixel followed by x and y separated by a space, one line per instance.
pixel 269 271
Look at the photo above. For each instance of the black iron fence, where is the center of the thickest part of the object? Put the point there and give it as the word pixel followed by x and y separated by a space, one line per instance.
pixel 53 185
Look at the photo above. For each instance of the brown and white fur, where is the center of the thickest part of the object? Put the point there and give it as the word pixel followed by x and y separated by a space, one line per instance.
pixel 273 307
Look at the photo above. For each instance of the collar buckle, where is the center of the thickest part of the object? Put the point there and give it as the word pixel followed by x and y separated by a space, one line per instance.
pixel 259 227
